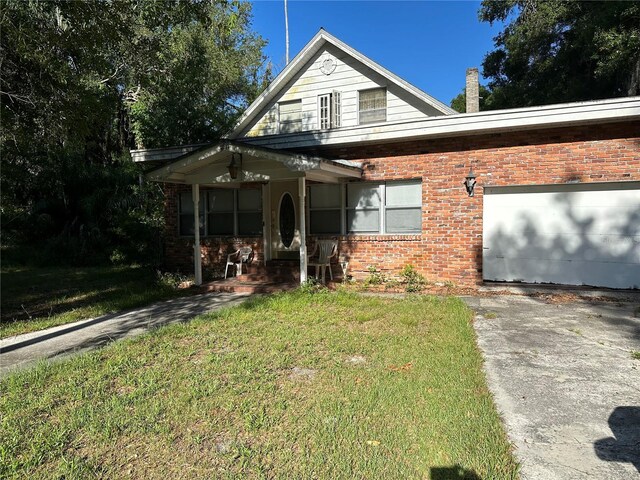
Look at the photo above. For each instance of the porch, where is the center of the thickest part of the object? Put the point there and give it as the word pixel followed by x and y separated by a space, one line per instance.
pixel 236 191
pixel 274 276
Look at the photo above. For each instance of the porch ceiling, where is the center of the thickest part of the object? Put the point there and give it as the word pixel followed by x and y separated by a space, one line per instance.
pixel 208 165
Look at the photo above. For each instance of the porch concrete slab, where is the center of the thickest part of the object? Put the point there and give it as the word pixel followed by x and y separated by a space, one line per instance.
pixel 565 383
pixel 21 351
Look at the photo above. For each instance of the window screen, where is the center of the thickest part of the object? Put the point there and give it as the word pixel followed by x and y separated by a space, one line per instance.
pixel 403 207
pixel 290 116
pixel 363 208
pixel 373 105
pixel 324 209
pixel 220 211
pixel 249 212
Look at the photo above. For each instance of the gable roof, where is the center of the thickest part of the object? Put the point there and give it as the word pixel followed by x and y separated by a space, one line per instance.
pixel 297 64
pixel 208 165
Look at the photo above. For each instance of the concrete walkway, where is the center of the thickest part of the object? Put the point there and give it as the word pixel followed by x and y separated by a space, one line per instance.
pixel 23 350
pixel 565 383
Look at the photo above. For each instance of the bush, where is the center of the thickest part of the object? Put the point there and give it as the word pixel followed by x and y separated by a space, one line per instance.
pixel 375 277
pixel 413 280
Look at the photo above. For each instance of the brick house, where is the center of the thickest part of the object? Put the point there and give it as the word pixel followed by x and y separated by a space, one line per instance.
pixel 338 147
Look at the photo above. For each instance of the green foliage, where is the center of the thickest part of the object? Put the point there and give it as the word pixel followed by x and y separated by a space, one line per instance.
pixel 375 277
pixel 84 81
pixel 312 285
pixel 557 51
pixel 459 103
pixel 412 279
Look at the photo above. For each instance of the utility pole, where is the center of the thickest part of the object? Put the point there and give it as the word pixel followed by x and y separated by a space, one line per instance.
pixel 286 30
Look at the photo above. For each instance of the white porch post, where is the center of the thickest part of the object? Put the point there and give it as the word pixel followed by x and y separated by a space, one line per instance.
pixel 303 231
pixel 197 256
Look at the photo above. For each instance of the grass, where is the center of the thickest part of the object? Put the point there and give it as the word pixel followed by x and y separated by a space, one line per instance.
pixel 37 298
pixel 635 354
pixel 295 385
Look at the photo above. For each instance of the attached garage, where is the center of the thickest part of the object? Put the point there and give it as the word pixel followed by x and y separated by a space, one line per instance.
pixel 571 234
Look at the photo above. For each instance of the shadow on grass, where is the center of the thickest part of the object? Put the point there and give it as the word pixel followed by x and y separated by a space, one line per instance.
pixel 456 472
pixel 97 332
pixel 33 293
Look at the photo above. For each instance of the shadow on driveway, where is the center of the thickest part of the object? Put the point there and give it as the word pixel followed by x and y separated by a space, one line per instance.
pixel 624 446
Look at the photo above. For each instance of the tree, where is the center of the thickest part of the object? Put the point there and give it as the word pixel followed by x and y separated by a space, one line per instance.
pixel 459 103
pixel 84 81
pixel 557 51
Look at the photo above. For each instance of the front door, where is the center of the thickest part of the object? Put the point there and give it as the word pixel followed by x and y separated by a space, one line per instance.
pixel 285 229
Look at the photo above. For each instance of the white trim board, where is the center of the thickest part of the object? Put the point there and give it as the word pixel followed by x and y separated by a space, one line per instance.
pixel 496 121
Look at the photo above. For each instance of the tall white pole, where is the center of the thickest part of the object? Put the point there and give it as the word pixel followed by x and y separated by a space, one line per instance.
pixel 303 230
pixel 286 32
pixel 197 255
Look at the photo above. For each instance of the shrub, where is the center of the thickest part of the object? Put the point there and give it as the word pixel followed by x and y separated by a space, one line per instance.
pixel 375 277
pixel 413 280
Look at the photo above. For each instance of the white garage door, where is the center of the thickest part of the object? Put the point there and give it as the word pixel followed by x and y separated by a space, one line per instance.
pixel 575 234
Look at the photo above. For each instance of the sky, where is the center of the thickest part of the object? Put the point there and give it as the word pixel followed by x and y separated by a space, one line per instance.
pixel 430 44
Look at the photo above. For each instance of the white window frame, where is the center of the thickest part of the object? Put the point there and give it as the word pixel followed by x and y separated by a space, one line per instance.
pixel 329 110
pixel 204 215
pixel 386 106
pixel 382 208
pixel 324 111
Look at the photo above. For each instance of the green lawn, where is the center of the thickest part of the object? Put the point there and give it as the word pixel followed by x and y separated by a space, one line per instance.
pixel 295 385
pixel 36 298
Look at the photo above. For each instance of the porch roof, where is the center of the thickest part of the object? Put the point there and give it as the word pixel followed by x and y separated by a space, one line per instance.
pixel 208 165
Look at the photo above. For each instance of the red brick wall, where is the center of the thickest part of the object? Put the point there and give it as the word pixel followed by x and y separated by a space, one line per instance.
pixel 450 246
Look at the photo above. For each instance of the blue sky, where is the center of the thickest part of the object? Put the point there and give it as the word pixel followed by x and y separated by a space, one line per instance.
pixel 428 43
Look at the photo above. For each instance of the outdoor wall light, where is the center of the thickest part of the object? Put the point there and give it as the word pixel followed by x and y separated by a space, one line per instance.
pixel 470 182
pixel 235 165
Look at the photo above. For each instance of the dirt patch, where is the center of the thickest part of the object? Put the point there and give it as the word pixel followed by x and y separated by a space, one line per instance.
pixel 356 360
pixel 299 373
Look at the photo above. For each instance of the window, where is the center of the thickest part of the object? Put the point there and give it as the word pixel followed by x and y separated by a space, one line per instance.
pixel 223 211
pixel 372 106
pixel 363 208
pixel 325 205
pixel 329 110
pixel 290 116
pixel 249 212
pixel 366 208
pixel 403 207
pixel 221 215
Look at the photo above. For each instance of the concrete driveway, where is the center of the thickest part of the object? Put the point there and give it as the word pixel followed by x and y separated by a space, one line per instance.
pixel 565 383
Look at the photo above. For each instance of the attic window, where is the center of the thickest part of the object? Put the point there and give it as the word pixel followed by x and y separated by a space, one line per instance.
pixel 290 116
pixel 329 110
pixel 372 105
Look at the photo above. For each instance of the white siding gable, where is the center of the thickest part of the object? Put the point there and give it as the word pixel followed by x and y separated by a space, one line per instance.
pixel 347 76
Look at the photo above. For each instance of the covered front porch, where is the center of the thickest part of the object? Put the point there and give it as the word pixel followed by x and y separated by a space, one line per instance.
pixel 230 189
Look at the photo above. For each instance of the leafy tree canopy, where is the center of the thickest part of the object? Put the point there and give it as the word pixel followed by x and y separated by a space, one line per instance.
pixel 555 51
pixel 84 81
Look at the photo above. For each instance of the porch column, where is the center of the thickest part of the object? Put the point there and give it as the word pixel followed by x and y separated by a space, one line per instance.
pixel 197 255
pixel 303 231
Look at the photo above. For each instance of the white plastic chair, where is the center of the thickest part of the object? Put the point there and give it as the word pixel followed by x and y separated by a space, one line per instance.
pixel 327 249
pixel 242 256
